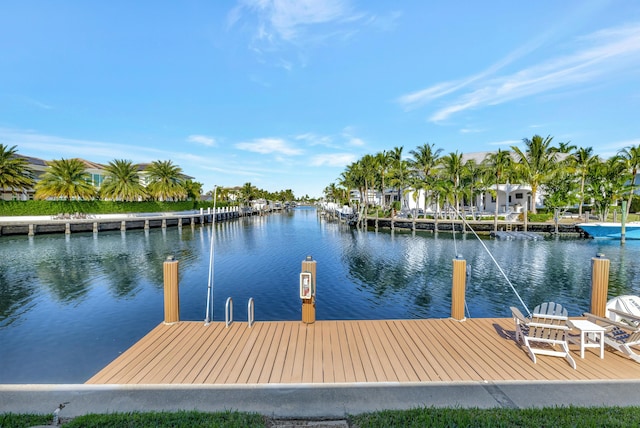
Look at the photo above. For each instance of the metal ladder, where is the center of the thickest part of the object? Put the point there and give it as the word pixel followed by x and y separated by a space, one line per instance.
pixel 228 312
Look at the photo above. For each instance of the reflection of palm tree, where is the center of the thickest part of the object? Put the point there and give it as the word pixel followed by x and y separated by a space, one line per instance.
pixel 67 281
pixel 16 295
pixel 383 277
pixel 122 273
pixel 66 179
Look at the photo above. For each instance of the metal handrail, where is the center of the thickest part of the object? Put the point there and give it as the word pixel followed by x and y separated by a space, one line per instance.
pixel 250 312
pixel 228 311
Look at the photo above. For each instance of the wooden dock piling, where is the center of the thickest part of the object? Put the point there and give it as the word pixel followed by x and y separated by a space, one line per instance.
pixel 309 305
pixel 458 288
pixel 171 291
pixel 599 284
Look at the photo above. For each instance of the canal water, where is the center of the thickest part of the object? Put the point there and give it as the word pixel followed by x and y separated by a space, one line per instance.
pixel 71 304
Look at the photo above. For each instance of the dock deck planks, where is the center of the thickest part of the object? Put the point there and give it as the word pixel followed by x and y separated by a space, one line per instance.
pixel 347 352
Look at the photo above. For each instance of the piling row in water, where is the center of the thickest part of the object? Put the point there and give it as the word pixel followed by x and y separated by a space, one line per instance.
pixel 41 225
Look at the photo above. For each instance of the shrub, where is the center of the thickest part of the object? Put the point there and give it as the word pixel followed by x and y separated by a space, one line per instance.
pixel 36 208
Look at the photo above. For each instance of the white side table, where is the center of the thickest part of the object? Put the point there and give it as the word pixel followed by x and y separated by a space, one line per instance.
pixel 591 335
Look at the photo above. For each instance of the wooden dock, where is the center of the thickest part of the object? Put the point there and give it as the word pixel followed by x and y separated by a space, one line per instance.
pixel 67 224
pixel 348 352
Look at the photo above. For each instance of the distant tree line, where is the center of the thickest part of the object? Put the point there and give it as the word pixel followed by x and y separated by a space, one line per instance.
pixel 247 193
pixel 69 180
pixel 568 176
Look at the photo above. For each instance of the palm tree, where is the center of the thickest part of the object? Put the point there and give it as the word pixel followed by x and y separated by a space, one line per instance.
pixel 66 179
pixel 560 192
pixel 424 161
pixel 369 169
pixel 399 173
pixel 415 185
pixel 582 161
pixel 536 163
pixel 501 165
pixel 221 193
pixel 452 164
pixel 165 181
pixel 383 161
pixel 14 173
pixel 606 184
pixel 473 181
pixel 122 181
pixel 248 193
pixel 442 191
pixel 565 147
pixel 193 189
pixel 335 193
pixel 353 178
pixel 330 192
pixel 631 156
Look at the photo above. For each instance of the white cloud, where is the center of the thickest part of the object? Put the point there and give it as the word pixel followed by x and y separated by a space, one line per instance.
pixel 333 159
pixel 53 147
pixel 283 31
pixel 423 96
pixel 202 139
pixel 285 19
pixel 315 140
pixel 604 53
pixel 269 145
pixel 49 147
pixel 352 140
pixel 38 104
pixel 470 131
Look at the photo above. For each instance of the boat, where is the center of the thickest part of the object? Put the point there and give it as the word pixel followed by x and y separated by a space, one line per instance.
pixel 617 307
pixel 611 230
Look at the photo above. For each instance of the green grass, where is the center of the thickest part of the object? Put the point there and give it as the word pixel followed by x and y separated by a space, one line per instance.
pixel 556 417
pixel 559 417
pixel 12 420
pixel 143 420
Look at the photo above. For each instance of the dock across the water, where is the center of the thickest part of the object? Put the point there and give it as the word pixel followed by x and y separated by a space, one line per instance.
pixel 513 235
pixel 67 223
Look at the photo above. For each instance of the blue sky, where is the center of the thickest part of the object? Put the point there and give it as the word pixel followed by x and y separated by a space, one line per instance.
pixel 285 94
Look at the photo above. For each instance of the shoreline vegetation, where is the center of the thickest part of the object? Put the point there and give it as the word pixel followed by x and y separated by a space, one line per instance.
pixel 571 178
pixel 138 215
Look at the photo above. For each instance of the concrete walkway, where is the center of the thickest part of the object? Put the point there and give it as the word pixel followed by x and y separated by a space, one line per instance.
pixel 312 401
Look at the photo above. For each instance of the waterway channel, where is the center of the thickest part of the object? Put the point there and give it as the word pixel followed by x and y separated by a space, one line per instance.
pixel 70 304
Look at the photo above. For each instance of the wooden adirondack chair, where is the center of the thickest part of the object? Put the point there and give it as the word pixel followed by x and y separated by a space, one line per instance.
pixel 544 334
pixel 621 336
